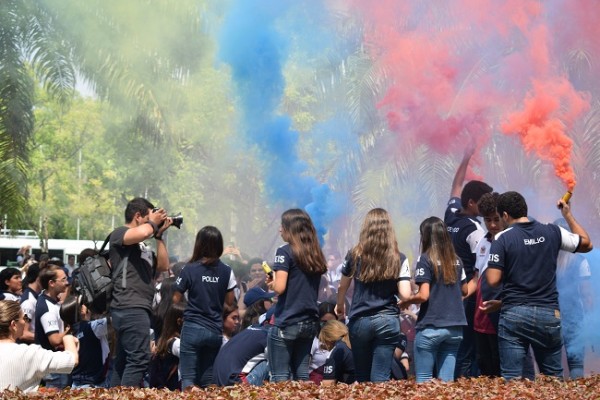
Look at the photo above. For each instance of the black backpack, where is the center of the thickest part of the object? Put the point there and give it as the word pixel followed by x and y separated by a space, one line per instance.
pixel 94 280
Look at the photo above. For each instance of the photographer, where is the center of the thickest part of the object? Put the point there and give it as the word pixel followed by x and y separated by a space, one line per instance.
pixel 133 289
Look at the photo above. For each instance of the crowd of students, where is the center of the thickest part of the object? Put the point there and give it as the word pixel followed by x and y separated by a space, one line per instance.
pixel 309 319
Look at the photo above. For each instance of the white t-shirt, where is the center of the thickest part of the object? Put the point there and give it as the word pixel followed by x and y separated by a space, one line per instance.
pixel 482 252
pixel 318 355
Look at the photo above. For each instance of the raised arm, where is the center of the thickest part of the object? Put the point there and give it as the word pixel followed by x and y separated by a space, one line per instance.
pixel 145 231
pixel 586 244
pixel 461 172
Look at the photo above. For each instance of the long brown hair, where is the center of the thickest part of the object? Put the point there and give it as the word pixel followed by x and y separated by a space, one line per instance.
pixel 9 311
pixel 377 248
pixel 252 314
pixel 171 328
pixel 299 231
pixel 437 244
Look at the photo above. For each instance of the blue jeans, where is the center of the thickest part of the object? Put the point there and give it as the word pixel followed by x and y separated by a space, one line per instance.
pixel 289 350
pixel 574 345
pixel 374 340
pixel 522 326
pixel 197 354
pixel 132 327
pixel 57 381
pixel 259 374
pixel 437 348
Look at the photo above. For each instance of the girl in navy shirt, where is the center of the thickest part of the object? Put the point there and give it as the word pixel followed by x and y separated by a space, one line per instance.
pixel 339 366
pixel 380 274
pixel 164 366
pixel 209 284
pixel 298 267
pixel 442 283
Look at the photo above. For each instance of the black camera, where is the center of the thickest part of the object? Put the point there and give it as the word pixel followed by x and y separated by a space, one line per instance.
pixel 177 219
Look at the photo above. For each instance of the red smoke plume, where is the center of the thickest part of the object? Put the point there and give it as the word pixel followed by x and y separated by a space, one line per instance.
pixel 426 101
pixel 455 70
pixel 549 109
pixel 541 125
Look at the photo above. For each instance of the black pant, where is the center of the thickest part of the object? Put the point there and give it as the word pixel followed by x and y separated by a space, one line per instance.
pixel 466 359
pixel 132 327
pixel 488 356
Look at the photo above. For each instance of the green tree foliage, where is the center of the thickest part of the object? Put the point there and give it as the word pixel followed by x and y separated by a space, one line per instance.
pixel 69 179
pixel 27 39
pixel 170 128
pixel 139 55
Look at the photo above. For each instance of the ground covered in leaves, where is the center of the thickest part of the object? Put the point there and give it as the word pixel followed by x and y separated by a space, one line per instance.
pixel 479 388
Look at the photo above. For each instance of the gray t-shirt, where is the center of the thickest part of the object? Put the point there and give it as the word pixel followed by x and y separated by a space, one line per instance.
pixel 133 285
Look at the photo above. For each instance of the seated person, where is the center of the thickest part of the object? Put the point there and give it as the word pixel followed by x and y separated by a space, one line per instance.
pixel 164 365
pixel 400 364
pixel 256 301
pixel 93 343
pixel 242 359
pixel 318 354
pixel 339 366
pixel 231 321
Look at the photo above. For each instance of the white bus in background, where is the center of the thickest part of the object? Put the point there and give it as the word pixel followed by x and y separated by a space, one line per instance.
pixel 61 248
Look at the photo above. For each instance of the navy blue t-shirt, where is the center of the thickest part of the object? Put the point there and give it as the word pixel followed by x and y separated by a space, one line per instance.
pixel 444 307
pixel 47 320
pixel 373 297
pixel 9 296
pixel 90 370
pixel 207 286
pixel 465 232
pixel 526 253
pixel 299 301
pixel 236 353
pixel 340 364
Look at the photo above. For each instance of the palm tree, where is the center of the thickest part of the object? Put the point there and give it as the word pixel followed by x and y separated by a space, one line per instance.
pixel 28 48
pixel 138 55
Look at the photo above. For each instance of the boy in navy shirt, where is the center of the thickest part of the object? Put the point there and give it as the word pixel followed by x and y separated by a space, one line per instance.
pixel 523 257
pixel 466 232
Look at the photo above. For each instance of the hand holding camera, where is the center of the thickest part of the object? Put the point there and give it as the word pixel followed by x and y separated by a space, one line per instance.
pixel 158 216
pixel 163 221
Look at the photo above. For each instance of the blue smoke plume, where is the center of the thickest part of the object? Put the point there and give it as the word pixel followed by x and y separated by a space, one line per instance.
pixel 589 334
pixel 256 50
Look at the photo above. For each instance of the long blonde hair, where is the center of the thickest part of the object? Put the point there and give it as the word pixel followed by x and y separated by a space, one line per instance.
pixel 437 244
pixel 331 332
pixel 377 248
